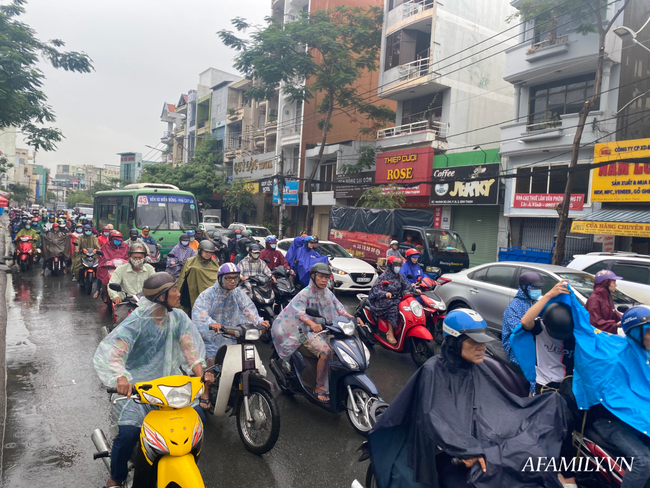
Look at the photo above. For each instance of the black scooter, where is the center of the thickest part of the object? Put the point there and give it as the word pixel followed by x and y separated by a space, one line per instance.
pixel 283 287
pixel 350 388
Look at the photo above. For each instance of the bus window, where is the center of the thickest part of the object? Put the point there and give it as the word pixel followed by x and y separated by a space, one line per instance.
pixel 153 214
pixel 182 213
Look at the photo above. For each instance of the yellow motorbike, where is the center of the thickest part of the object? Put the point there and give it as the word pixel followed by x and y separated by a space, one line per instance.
pixel 171 436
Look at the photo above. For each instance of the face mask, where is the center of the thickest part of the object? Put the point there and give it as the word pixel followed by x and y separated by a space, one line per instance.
pixel 117 243
pixel 79 230
pixel 535 294
pixel 106 234
pixel 396 269
pixel 27 226
pixel 191 238
pixel 87 232
pixel 134 238
pixel 255 255
pixel 237 236
pixel 273 246
pixel 137 263
pixel 185 243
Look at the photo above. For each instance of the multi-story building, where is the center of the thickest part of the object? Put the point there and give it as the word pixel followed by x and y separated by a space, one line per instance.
pixel 552 69
pixel 8 150
pixel 129 163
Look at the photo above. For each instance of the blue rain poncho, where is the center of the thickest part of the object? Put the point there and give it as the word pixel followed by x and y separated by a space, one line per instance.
pixel 306 258
pixel 149 344
pixel 408 268
pixel 217 305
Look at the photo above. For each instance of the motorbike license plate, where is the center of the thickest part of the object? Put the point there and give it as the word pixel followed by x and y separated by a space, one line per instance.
pixel 364 280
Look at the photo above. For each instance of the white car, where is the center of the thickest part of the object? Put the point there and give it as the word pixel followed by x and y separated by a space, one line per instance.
pixel 350 274
pixel 258 232
pixel 206 226
pixel 633 268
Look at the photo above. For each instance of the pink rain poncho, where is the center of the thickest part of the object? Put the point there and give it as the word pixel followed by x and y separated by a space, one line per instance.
pixel 111 252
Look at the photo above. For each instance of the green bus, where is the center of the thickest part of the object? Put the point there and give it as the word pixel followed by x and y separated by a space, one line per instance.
pixel 167 211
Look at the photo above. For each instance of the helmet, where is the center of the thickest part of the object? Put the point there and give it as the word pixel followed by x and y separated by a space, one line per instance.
pixel 531 278
pixel 199 231
pixel 412 252
pixel 635 321
pixel 35 220
pixel 271 239
pixel 55 225
pixel 605 274
pixel 394 242
pixel 137 247
pixel 464 321
pixel 106 229
pixel 207 245
pixel 314 239
pixel 87 226
pixel 558 321
pixel 320 268
pixel 184 237
pixel 245 233
pixel 393 260
pixel 237 231
pixel 307 239
pixel 254 248
pixel 157 285
pixel 116 235
pixel 191 233
pixel 52 218
pixel 145 227
pixel 134 232
pixel 228 268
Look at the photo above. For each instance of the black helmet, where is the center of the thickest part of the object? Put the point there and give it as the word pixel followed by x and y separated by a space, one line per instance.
pixel 255 248
pixel 157 285
pixel 558 321
pixel 137 247
pixel 531 278
pixel 183 237
pixel 320 268
pixel 207 245
pixel 134 232
pixel 314 239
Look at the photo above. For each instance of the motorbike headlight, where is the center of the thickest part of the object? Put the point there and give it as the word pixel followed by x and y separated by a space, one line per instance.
pixel 338 271
pixel 367 353
pixel 347 327
pixel 153 441
pixel 346 358
pixel 177 396
pixel 416 308
pixel 441 306
pixel 252 334
pixel 152 399
pixel 198 393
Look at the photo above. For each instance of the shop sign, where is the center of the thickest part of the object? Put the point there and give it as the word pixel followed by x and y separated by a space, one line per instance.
pixel 253 187
pixel 290 194
pixel 547 200
pixel 361 181
pixel 266 186
pixel 611 228
pixel 437 217
pixel 627 179
pixel 606 241
pixel 253 167
pixel 406 166
pixel 478 185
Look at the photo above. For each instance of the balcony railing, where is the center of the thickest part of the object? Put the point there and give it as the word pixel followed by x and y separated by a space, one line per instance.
pixel 546 124
pixel 415 69
pixel 440 128
pixel 549 42
pixel 416 6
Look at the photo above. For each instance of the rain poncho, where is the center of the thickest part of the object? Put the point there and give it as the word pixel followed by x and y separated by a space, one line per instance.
pixel 29 232
pixel 55 243
pixel 408 268
pixel 83 242
pixel 602 312
pixel 217 305
pixel 197 275
pixel 149 344
pixel 182 253
pixel 296 244
pixel 388 307
pixel 305 258
pixel 463 410
pixel 512 316
pixel 111 252
pixel 274 256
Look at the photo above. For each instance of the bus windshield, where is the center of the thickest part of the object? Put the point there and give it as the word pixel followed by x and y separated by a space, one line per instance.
pixel 445 241
pixel 166 212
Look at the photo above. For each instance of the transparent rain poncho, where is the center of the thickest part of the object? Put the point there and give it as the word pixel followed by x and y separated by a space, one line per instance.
pixel 149 344
pixel 217 305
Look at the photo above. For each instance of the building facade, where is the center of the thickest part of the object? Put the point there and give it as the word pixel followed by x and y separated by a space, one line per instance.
pixel 129 163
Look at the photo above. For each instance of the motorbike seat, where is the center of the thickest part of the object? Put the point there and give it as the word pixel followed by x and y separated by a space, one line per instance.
pixel 611 449
pixel 495 349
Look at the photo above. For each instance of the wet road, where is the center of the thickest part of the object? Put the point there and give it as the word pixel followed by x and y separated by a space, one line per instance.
pixel 55 401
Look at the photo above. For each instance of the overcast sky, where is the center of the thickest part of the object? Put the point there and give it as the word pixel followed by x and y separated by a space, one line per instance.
pixel 145 53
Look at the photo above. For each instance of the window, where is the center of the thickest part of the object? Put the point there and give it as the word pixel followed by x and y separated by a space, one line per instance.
pixel 405 46
pixel 595 268
pixel 392 50
pixel 551 179
pixel 551 100
pixel 501 275
pixel 479 275
pixel 284 245
pixel 394 3
pixel 638 273
pixel 427 108
pixel 327 170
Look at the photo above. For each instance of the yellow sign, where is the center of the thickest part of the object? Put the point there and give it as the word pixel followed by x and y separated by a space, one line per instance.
pixel 627 179
pixel 611 228
pixel 403 158
pixel 254 187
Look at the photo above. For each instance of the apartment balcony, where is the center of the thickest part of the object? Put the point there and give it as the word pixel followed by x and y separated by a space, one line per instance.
pixel 167 138
pixel 203 127
pixel 291 135
pixel 236 116
pixel 425 131
pixel 408 13
pixel 406 77
pixel 553 135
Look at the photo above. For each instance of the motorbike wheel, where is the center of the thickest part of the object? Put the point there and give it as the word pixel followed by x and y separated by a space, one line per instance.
pixel 371 481
pixel 261 436
pixel 55 269
pixel 421 350
pixel 360 420
pixel 89 284
pixel 436 332
pixel 24 266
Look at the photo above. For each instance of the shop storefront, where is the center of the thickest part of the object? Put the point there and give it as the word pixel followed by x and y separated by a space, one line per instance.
pixel 407 167
pixel 258 170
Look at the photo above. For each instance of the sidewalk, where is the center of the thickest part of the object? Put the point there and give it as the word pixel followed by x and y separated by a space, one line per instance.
pixel 5 245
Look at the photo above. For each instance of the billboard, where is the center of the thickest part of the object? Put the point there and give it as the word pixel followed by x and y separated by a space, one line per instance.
pixel 290 194
pixel 470 185
pixel 406 166
pixel 627 178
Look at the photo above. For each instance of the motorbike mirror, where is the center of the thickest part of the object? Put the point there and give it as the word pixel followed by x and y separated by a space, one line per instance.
pixel 75 244
pixel 98 252
pixel 161 239
pixel 115 287
pixel 312 312
pixel 171 255
pixel 474 247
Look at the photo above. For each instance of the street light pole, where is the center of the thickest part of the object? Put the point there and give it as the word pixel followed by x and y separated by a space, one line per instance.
pixel 627 34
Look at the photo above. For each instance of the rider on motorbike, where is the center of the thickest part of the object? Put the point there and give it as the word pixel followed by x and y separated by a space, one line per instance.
pixel 134 237
pixel 115 248
pixel 148 239
pixel 131 277
pixel 454 407
pixel 411 266
pixel 384 298
pixel 274 256
pixel 232 244
pixel 223 304
pixel 103 237
pixel 303 254
pixel 86 241
pixel 155 341
pixel 28 230
pixel 241 248
pixel 194 244
pixel 199 273
pixel 294 327
pixel 181 251
pixel 252 265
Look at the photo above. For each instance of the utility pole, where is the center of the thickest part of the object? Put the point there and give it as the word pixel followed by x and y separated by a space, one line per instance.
pixel 281 193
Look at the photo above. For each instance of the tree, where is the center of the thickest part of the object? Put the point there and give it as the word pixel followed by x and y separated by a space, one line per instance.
pixel 590 14
pixel 20 193
pixel 22 102
pixel 238 198
pixel 382 197
pixel 76 197
pixel 50 196
pixel 343 44
pixel 4 164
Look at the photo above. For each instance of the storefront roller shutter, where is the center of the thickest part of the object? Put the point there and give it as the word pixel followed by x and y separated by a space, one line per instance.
pixel 479 224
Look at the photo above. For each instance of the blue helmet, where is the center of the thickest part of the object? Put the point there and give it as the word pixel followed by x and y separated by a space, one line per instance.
pixel 191 233
pixel 87 226
pixel 271 239
pixel 635 321
pixel 464 321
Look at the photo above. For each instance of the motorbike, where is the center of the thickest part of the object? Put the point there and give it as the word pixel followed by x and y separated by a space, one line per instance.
pixel 434 307
pixel 129 301
pixel 25 252
pixel 350 388
pixel 110 266
pixel 283 287
pixel 56 264
pixel 153 258
pixel 411 333
pixel 242 390
pixel 88 272
pixel 171 437
pixel 263 296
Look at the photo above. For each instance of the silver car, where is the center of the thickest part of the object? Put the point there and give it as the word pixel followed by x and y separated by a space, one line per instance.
pixel 489 288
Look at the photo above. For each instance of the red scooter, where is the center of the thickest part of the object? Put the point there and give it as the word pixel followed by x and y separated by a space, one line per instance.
pixel 411 332
pixel 434 307
pixel 25 252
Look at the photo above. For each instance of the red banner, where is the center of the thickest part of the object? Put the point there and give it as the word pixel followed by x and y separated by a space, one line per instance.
pixel 546 200
pixel 437 217
pixel 367 247
pixel 406 166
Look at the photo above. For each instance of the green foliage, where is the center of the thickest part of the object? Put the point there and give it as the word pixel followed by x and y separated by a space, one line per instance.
pixel 238 198
pixel 5 164
pixel 22 102
pixel 20 193
pixel 367 159
pixel 382 197
pixel 76 197
pixel 50 196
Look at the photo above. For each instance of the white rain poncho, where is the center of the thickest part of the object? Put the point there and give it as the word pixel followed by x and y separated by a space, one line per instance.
pixel 216 305
pixel 289 330
pixel 149 344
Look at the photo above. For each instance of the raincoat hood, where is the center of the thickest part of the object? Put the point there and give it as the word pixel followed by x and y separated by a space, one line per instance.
pixel 303 259
pixel 111 252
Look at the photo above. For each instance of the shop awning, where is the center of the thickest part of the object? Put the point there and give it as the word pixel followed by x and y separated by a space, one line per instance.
pixel 631 222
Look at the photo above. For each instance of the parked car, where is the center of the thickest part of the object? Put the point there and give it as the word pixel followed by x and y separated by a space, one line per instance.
pixel 207 226
pixel 633 268
pixel 258 232
pixel 350 274
pixel 489 288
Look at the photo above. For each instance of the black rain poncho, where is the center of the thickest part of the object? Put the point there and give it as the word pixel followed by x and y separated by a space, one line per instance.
pixel 463 409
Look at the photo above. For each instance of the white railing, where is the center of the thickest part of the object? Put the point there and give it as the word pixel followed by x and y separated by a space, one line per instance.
pixel 440 128
pixel 415 69
pixel 416 6
pixel 547 42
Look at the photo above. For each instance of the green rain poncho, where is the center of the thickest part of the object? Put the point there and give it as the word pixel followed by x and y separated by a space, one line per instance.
pixel 83 242
pixel 149 344
pixel 196 276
